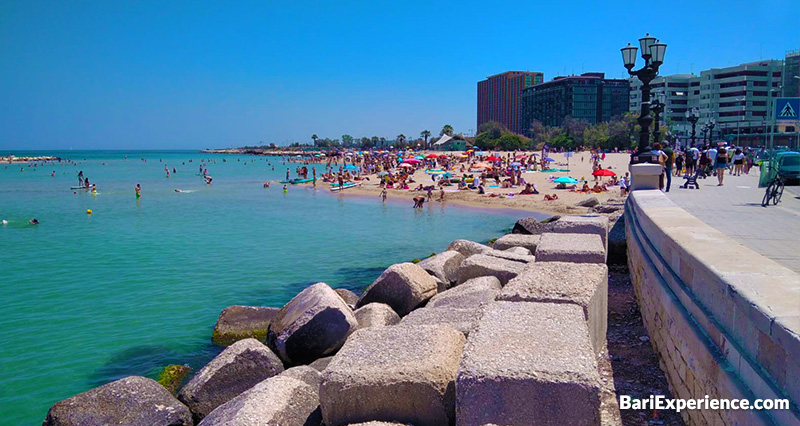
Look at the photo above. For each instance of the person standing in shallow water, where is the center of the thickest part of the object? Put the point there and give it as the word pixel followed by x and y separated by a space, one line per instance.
pixel 138 190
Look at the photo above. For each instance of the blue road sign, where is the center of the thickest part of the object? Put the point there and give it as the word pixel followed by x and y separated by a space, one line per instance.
pixel 787 109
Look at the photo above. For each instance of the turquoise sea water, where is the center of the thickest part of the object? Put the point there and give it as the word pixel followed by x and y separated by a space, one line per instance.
pixel 86 299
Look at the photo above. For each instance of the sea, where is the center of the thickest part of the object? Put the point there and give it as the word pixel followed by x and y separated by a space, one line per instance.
pixel 138 284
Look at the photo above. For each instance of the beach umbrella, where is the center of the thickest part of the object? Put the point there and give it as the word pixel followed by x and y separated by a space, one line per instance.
pixel 431 156
pixel 516 164
pixel 442 156
pixel 419 157
pixel 383 174
pixel 406 165
pixel 412 161
pixel 480 153
pixel 521 155
pixel 603 172
pixel 549 159
pixel 493 158
pixel 350 167
pixel 566 179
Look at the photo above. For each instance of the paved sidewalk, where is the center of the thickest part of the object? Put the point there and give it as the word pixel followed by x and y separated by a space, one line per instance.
pixel 735 209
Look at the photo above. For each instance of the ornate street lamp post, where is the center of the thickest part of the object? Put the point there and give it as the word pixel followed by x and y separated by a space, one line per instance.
pixel 657 107
pixel 693 116
pixel 653 55
pixel 710 125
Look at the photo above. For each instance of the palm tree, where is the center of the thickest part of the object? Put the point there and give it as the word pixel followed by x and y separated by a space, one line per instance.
pixel 425 134
pixel 315 137
pixel 446 130
pixel 375 140
pixel 401 139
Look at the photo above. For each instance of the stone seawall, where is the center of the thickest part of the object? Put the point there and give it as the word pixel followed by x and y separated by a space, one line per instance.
pixel 724 319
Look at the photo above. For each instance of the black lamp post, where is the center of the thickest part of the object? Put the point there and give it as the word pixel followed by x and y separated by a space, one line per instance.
pixel 693 116
pixel 710 125
pixel 653 54
pixel 657 107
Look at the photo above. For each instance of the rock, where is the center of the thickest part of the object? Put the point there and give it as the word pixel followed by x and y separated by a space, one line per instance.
pixel 577 248
pixel 242 322
pixel 460 319
pixel 517 240
pixel 403 286
pixel 519 250
pixel 312 325
pixel 441 285
pixel 305 374
pixel 617 243
pixel 321 364
pixel 172 376
pixel 467 248
pixel 238 368
pixel 376 315
pixel 134 401
pixel 528 225
pixel 280 400
pixel 589 202
pixel 472 294
pixel 348 296
pixel 582 284
pixel 443 266
pixel 529 363
pixel 607 208
pixel 507 255
pixel 395 374
pixel 482 265
pixel 587 224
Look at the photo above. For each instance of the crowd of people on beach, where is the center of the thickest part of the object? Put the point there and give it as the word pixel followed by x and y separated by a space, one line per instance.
pixel 701 162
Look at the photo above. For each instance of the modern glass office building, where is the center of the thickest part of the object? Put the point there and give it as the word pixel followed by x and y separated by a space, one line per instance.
pixel 499 97
pixel 589 97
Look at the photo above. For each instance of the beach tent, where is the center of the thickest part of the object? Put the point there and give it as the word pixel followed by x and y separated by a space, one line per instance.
pixel 443 140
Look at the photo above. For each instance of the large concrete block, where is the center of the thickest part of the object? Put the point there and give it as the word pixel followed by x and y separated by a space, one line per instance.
pixel 135 401
pixel 517 240
pixel 584 284
pixel 239 367
pixel 314 324
pixel 529 363
pixel 577 248
pixel 396 374
pixel 519 250
pixel 376 315
pixel 483 265
pixel 462 320
pixel 468 248
pixel 588 224
pixel 443 266
pixel 469 295
pixel 403 286
pixel 242 322
pixel 510 255
pixel 281 400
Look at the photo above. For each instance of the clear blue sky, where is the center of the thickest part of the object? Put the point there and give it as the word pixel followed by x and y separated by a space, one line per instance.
pixel 172 74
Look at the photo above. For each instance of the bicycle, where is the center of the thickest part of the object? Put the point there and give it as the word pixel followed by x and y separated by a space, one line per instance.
pixel 774 191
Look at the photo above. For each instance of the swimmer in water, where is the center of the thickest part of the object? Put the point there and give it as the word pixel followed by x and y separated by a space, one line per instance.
pixel 138 190
pixel 94 188
pixel 178 190
pixel 34 221
pixel 208 180
pixel 285 189
pixel 5 222
pixel 266 184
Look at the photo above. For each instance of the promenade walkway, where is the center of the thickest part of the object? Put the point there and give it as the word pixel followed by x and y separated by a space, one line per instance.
pixel 735 209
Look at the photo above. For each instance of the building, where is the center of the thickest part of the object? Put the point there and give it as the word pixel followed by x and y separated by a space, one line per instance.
pixel 737 98
pixel 499 97
pixel 791 75
pixel 589 97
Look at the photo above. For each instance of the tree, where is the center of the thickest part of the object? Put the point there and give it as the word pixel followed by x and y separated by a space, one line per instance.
pixel 446 130
pixel 425 134
pixel 574 128
pixel 495 129
pixel 597 136
pixel 315 137
pixel 401 139
pixel 383 141
pixel 375 140
pixel 366 143
pixel 510 142
pixel 347 140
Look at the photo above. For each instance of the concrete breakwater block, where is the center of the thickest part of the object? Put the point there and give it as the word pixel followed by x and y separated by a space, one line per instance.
pixel 482 265
pixel 509 255
pixel 376 315
pixel 519 250
pixel 468 248
pixel 517 240
pixel 528 363
pixel 315 323
pixel 469 295
pixel 583 284
pixel 349 297
pixel 589 224
pixel 396 374
pixel 239 367
pixel 280 400
pixel 403 286
pixel 241 322
pixel 443 266
pixel 462 320
pixel 135 401
pixel 576 248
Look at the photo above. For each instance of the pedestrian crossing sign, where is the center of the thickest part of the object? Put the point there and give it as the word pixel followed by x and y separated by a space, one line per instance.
pixel 787 109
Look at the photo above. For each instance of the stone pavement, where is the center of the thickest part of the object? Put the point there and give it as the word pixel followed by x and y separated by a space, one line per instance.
pixel 735 209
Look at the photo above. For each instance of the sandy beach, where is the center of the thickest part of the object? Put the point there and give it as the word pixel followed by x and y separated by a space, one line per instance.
pixel 580 167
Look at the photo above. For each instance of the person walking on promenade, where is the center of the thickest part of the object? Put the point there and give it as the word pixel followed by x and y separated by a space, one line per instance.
pixel 721 164
pixel 668 165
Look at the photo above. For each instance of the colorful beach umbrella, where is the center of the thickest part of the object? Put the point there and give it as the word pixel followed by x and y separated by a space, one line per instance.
pixel 412 161
pixel 431 156
pixel 350 167
pixel 603 172
pixel 549 159
pixel 565 179
pixel 406 165
pixel 493 158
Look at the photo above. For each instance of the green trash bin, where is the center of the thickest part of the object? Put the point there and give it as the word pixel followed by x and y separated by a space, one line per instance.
pixel 769 170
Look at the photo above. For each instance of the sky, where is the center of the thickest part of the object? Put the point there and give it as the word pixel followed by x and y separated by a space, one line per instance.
pixel 198 74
